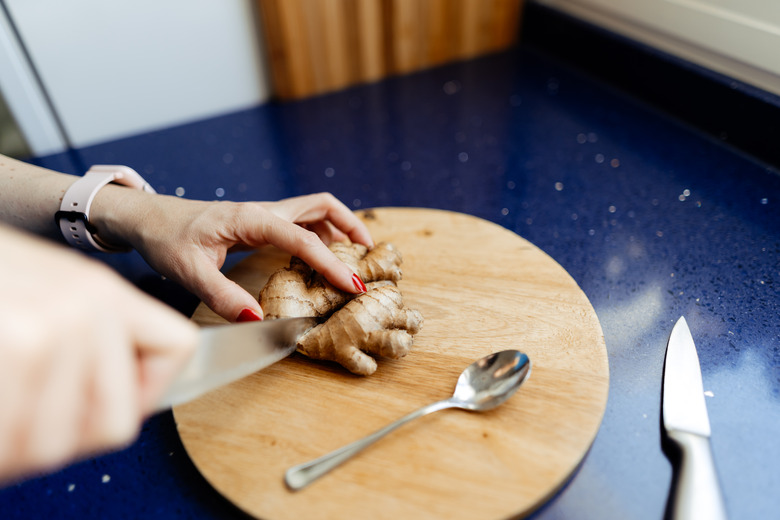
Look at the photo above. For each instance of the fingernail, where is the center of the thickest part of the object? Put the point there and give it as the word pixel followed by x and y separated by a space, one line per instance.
pixel 248 315
pixel 358 283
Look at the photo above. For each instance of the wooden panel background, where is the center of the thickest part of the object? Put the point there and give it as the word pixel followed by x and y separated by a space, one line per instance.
pixel 318 46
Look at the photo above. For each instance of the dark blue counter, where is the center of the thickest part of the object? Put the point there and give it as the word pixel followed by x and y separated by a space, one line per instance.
pixel 652 219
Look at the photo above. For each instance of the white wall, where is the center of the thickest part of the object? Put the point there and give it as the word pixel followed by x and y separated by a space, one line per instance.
pixel 740 38
pixel 122 67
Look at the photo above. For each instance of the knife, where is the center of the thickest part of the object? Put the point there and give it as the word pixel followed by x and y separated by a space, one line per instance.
pixel 697 492
pixel 228 353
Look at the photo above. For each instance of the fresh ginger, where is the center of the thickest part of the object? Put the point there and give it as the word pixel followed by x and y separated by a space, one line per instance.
pixel 298 290
pixel 374 322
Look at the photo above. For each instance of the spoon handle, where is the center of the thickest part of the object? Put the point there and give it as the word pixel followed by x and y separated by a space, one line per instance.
pixel 304 474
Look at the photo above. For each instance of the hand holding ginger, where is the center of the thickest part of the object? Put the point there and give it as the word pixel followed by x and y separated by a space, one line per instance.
pixel 374 322
pixel 188 240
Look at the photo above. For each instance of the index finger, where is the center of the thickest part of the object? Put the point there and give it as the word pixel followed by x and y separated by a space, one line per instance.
pixel 307 246
pixel 320 207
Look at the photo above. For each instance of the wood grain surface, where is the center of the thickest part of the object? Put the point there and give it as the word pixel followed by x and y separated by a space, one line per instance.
pixel 481 289
pixel 318 46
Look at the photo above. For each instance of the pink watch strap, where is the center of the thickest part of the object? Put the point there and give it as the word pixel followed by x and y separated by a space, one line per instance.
pixel 73 216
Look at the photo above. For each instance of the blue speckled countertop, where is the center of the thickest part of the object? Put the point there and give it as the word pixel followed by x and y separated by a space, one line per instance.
pixel 652 219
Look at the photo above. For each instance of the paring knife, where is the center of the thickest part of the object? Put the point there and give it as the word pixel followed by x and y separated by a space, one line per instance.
pixel 228 353
pixel 697 493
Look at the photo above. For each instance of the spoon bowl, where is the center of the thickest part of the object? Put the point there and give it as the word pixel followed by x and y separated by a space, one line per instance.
pixel 490 381
pixel 483 385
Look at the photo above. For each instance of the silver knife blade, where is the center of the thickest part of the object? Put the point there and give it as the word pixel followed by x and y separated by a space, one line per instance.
pixel 228 353
pixel 684 408
pixel 696 493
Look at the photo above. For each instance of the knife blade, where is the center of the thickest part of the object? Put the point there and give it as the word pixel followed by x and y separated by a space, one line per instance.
pixel 697 492
pixel 228 353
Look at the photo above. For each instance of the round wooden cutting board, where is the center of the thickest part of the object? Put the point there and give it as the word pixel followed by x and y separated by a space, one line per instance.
pixel 481 289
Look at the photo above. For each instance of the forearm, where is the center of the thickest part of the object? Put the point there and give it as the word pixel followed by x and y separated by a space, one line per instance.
pixel 30 196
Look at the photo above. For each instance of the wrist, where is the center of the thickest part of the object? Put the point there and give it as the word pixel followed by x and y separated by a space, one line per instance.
pixel 76 218
pixel 119 214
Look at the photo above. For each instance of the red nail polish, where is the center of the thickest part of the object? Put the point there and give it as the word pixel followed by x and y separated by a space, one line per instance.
pixel 248 315
pixel 358 283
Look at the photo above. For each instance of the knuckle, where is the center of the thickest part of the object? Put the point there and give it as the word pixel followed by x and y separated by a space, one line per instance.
pixel 223 210
pixel 226 210
pixel 245 210
pixel 309 239
pixel 327 198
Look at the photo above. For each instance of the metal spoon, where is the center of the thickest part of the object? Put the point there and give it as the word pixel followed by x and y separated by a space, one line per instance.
pixel 484 384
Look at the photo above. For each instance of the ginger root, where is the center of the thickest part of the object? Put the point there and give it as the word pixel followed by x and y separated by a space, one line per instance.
pixel 298 290
pixel 375 322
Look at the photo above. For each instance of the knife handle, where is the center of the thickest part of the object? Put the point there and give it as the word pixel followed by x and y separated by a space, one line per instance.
pixel 697 493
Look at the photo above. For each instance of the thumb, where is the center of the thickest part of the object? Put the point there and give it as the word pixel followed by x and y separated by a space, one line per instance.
pixel 164 341
pixel 226 298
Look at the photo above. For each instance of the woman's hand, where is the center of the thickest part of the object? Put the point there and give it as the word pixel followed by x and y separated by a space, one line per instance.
pixel 187 241
pixel 84 356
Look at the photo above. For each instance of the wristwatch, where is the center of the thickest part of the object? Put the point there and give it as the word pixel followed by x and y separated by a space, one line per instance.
pixel 73 216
